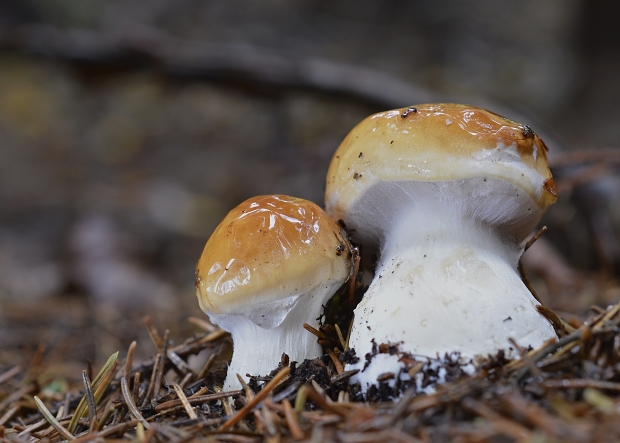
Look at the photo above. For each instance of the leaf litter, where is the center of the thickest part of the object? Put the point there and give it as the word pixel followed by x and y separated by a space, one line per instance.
pixel 565 391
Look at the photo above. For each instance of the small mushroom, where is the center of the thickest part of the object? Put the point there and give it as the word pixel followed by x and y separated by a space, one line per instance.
pixel 266 270
pixel 448 192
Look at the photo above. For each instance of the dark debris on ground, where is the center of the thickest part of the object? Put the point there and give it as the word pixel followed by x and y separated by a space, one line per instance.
pixel 567 391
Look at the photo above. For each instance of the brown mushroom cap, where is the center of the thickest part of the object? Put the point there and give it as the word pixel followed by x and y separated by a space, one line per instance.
pixel 437 142
pixel 266 252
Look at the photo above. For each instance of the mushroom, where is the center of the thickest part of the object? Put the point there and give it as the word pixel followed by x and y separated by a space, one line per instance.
pixel 265 271
pixel 448 192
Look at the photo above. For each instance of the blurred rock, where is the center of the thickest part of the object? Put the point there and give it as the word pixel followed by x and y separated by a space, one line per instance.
pixel 32 262
pixel 104 268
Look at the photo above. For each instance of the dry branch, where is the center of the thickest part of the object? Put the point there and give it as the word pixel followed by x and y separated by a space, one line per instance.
pixel 230 63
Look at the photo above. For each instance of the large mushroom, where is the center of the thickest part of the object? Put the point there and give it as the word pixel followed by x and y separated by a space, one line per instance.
pixel 449 193
pixel 265 271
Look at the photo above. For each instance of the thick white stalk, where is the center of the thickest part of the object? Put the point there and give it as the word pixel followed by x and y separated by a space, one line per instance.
pixel 445 284
pixel 257 350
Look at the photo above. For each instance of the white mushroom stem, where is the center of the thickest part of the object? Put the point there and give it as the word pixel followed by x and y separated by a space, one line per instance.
pixel 258 350
pixel 446 282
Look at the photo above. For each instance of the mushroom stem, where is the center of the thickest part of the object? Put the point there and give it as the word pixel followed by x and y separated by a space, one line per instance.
pixel 258 350
pixel 446 282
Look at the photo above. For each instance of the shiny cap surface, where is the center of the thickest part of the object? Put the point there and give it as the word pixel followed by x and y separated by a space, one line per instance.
pixel 435 142
pixel 268 251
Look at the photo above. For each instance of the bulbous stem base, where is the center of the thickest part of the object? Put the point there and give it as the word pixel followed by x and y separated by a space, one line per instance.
pixel 445 286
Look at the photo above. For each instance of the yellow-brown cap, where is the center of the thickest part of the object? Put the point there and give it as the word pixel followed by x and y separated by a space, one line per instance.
pixel 266 253
pixel 437 142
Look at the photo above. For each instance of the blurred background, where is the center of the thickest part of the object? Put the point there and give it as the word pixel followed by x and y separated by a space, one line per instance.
pixel 129 128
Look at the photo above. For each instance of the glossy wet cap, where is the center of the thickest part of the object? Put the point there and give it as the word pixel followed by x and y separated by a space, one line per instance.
pixel 266 253
pixel 435 142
